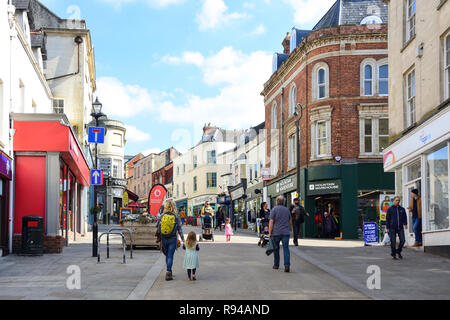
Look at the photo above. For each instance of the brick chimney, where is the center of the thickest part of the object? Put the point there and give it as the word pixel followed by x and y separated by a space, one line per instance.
pixel 287 43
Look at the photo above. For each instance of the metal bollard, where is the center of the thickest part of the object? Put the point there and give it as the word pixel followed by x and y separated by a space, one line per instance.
pixel 131 237
pixel 123 245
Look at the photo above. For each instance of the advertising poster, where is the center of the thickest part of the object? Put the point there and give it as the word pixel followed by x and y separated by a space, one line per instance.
pixel 386 201
pixel 156 198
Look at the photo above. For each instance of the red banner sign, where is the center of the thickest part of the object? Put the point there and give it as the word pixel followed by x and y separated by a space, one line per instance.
pixel 156 198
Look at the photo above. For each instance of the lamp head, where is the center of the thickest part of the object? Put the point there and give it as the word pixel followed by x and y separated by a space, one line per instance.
pixel 97 107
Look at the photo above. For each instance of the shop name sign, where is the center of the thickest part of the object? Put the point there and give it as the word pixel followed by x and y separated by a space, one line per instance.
pixel 236 194
pixel 285 185
pixel 202 200
pixel 324 187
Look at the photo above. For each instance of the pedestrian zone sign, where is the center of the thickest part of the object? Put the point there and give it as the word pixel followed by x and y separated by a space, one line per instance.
pixel 96 135
pixel 96 177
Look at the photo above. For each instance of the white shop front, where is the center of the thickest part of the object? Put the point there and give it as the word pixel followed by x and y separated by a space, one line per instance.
pixel 420 161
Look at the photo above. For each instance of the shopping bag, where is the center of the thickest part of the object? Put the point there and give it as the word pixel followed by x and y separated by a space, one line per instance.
pixel 271 246
pixel 386 240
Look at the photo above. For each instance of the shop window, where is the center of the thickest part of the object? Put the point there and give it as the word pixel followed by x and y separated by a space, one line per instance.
pixel 410 98
pixel 437 190
pixel 414 172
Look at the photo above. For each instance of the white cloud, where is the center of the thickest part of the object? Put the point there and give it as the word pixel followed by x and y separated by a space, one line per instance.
pixel 120 100
pixel 133 134
pixel 259 30
pixel 117 4
pixel 188 57
pixel 239 103
pixel 307 11
pixel 150 151
pixel 214 13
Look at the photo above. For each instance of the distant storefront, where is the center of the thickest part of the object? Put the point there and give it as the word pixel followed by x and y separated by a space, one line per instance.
pixel 255 198
pixel 196 204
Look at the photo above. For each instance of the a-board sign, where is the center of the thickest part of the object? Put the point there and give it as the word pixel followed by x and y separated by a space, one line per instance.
pixel 370 230
pixel 125 212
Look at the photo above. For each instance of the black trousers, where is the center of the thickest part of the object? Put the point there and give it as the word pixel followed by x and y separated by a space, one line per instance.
pixel 189 272
pixel 296 227
pixel 393 235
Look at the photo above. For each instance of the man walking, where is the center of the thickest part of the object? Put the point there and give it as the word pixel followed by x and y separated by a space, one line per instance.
pixel 279 230
pixel 396 222
pixel 298 218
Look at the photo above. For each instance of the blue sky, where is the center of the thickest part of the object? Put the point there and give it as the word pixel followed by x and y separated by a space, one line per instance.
pixel 167 67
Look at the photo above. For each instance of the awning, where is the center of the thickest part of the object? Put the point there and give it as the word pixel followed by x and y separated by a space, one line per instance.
pixel 134 204
pixel 132 196
pixel 51 133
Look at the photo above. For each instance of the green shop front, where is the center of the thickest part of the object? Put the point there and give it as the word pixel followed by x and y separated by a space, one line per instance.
pixel 351 190
pixel 286 187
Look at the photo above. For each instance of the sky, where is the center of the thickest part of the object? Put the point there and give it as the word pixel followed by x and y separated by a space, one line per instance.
pixel 165 68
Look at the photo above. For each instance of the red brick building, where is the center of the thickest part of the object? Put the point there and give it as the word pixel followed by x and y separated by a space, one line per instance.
pixel 338 74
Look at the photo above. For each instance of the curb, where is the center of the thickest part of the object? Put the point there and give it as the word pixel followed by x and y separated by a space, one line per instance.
pixel 142 289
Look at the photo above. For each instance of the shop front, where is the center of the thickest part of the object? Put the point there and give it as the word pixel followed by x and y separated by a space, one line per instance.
pixel 5 180
pixel 348 193
pixel 199 202
pixel 238 205
pixel 52 178
pixel 420 161
pixel 286 187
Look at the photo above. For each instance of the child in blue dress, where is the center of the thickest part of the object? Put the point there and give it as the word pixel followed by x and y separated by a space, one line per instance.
pixel 191 258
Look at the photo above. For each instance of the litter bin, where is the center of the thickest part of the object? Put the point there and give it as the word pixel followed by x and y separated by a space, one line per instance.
pixel 32 235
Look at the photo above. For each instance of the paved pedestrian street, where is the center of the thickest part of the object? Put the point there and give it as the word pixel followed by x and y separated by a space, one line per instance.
pixel 320 269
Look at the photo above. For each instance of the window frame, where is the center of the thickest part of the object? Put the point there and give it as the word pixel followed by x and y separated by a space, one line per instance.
pixel 447 66
pixel 274 115
pixel 410 99
pixel 365 80
pixel 292 151
pixel 58 107
pixel 379 79
pixel 410 20
pixel 315 81
pixel 318 139
pixel 292 99
pixel 321 85
pixel 212 180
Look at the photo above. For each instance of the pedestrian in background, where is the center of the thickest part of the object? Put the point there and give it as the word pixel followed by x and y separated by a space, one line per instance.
pixel 279 229
pixel 219 218
pixel 298 218
pixel 396 222
pixel 169 227
pixel 228 230
pixel 191 262
pixel 182 216
pixel 264 214
pixel 415 207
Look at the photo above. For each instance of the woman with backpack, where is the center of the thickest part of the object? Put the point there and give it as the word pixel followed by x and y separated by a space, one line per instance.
pixel 169 227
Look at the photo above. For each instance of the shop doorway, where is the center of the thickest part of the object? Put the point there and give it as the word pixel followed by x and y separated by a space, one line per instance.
pixel 410 237
pixel 117 204
pixel 328 212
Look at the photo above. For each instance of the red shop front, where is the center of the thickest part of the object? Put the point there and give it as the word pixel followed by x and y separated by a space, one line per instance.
pixel 51 178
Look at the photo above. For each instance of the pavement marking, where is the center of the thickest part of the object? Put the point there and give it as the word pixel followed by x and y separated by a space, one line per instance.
pixel 347 280
pixel 146 284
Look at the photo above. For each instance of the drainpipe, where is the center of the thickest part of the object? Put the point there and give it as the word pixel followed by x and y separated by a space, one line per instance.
pixel 12 34
pixel 282 132
pixel 78 40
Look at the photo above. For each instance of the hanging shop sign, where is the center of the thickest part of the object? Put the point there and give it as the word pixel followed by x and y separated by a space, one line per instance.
pixel 324 187
pixel 126 199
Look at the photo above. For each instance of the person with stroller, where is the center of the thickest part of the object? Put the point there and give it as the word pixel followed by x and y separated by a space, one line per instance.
pixel 265 237
pixel 264 214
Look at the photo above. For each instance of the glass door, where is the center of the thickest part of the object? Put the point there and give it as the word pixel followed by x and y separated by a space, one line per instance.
pixel 414 181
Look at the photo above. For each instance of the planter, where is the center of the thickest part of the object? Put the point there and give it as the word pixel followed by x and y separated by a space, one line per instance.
pixel 143 234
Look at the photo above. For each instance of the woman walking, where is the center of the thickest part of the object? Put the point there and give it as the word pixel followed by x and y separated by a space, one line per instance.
pixel 169 227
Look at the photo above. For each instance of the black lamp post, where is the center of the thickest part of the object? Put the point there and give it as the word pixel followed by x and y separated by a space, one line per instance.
pixel 96 113
pixel 298 113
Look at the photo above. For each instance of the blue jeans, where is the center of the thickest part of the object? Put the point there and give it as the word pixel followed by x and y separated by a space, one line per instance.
pixel 276 254
pixel 417 227
pixel 169 245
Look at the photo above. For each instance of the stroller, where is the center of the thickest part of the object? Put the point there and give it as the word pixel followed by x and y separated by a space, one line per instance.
pixel 207 229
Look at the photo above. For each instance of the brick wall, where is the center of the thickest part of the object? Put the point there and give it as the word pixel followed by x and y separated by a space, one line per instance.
pixel 51 244
pixel 344 91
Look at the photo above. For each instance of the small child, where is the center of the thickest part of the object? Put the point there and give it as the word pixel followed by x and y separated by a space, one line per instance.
pixel 191 258
pixel 228 230
pixel 264 240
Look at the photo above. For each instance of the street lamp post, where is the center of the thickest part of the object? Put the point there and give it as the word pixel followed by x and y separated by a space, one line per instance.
pixel 96 113
pixel 298 113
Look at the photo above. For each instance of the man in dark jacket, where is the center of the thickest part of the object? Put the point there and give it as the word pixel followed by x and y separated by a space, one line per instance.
pixel 396 222
pixel 298 217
